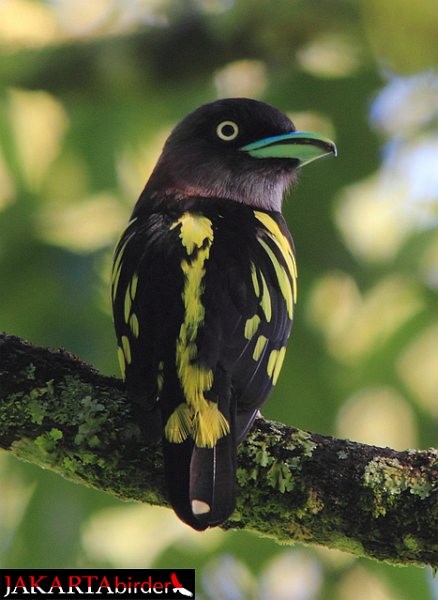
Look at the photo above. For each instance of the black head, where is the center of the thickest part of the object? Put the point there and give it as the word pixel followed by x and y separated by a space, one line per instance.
pixel 236 148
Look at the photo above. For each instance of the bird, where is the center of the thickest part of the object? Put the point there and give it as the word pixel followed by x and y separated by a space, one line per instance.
pixel 204 284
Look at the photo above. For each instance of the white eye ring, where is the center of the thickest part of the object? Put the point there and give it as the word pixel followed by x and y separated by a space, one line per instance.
pixel 227 131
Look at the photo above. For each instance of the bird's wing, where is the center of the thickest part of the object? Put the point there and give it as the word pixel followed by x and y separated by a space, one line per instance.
pixel 146 286
pixel 250 310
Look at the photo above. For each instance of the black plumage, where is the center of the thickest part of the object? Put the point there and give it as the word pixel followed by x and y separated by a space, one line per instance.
pixel 204 285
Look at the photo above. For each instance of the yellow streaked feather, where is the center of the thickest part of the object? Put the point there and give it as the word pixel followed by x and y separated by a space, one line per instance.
pixel 115 281
pixel 193 288
pixel 251 326
pixel 196 233
pixel 273 227
pixel 278 364
pixel 126 349
pixel 259 347
pixel 179 424
pixel 198 417
pixel 120 251
pixel 255 281
pixel 282 278
pixel 283 244
pixel 271 362
pixel 127 306
pixel 134 325
pixel 118 258
pixel 133 286
pixel 122 362
pixel 205 426
pixel 275 362
pixel 195 230
pixel 265 301
pixel 209 426
pixel 195 380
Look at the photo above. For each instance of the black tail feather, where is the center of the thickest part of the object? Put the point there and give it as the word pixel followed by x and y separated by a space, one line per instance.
pixel 212 481
pixel 177 459
pixel 201 481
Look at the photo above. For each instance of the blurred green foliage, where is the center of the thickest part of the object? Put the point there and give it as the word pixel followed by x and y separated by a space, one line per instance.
pixel 88 93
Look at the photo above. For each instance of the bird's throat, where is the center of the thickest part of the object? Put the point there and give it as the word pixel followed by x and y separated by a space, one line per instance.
pixel 253 191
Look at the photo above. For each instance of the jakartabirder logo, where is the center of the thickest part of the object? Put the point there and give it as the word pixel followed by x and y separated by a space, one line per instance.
pixel 77 583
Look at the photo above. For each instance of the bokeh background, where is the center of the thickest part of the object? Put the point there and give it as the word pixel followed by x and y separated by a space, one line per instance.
pixel 89 90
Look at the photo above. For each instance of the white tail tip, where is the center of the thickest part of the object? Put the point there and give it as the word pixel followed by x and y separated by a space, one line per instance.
pixel 200 508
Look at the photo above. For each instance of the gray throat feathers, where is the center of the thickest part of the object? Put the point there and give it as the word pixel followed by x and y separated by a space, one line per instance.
pixel 255 191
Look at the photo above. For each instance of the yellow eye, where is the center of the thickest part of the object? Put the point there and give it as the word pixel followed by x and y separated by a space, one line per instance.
pixel 227 131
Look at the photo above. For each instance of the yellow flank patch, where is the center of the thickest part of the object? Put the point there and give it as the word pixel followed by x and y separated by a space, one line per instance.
pixel 133 324
pixel 122 363
pixel 275 362
pixel 265 301
pixel 283 245
pixel 251 326
pixel 282 278
pixel 259 347
pixel 126 349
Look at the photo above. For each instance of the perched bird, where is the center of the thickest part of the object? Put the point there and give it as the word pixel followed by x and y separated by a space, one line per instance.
pixel 203 290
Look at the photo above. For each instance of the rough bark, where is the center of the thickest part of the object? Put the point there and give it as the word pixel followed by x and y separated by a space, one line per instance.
pixel 61 414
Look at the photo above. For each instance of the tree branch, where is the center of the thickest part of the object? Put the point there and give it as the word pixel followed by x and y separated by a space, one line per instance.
pixel 61 414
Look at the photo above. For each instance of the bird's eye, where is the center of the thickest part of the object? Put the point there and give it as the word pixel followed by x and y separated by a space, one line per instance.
pixel 227 131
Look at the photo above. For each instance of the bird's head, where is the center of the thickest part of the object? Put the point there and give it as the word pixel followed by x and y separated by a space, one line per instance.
pixel 237 148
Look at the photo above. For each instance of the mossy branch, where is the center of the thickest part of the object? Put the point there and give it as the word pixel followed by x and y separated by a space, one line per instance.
pixel 61 414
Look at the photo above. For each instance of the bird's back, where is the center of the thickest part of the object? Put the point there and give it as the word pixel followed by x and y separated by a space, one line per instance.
pixel 203 302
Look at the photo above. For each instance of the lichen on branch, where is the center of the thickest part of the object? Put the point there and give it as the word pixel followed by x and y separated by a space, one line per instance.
pixel 59 413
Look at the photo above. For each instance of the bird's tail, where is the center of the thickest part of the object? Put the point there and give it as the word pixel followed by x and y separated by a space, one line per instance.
pixel 201 481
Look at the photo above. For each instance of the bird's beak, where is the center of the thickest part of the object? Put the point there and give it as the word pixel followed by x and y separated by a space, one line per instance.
pixel 299 145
